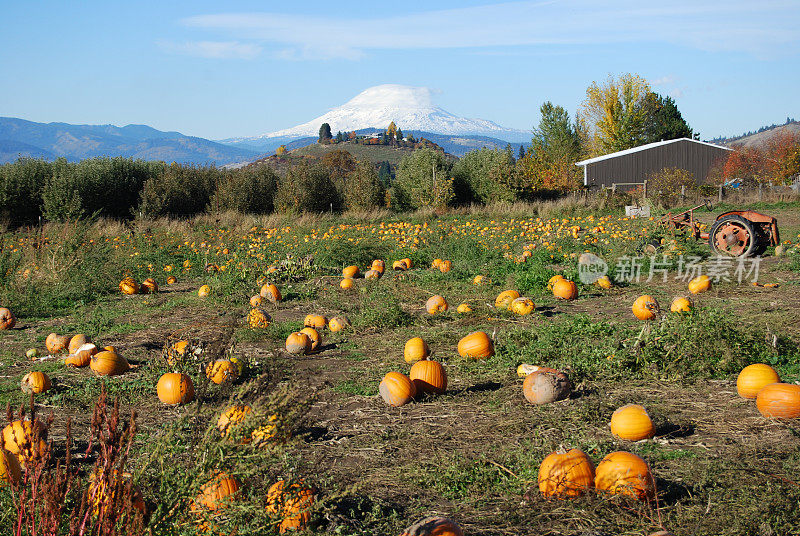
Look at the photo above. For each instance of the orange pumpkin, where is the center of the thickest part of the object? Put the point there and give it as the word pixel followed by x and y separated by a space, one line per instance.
pixel 681 304
pixel 9 468
pixel 445 266
pixel 378 265
pixel 400 265
pixel 522 306
pixel 129 286
pixel 624 473
pixel 171 280
pixel 415 349
pixel 298 343
pixel 397 389
pixel 19 439
pixel 204 291
pixel 222 371
pixel 566 474
pixel 755 377
pixel 35 382
pixel 436 263
pixel 552 281
pixel 338 323
pixel 7 319
pixel 256 300
pixel 504 299
pixel 631 422
pixel 271 293
pixel 82 356
pixel 350 272
pixel 346 283
pixel 175 388
pixel 565 289
pixel 428 377
pixel 478 280
pixel 149 286
pixel 291 503
pixel 76 342
pixel 464 308
pixel 779 401
pixel 434 526
pixel 258 318
pixel 231 417
pixel 315 321
pixel 604 283
pixel 55 343
pixel 107 363
pixel 314 336
pixel 645 307
pixel 476 345
pixel 436 304
pixel 218 492
pixel 699 284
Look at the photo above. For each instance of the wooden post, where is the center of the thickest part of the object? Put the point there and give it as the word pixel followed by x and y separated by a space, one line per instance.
pixel 644 189
pixel 614 188
pixel 683 193
pixel 719 198
pixel 760 191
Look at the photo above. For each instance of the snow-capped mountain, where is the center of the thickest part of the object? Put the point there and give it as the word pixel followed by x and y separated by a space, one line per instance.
pixel 411 109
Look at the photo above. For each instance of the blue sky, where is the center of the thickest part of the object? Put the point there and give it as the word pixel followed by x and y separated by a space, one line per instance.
pixel 219 70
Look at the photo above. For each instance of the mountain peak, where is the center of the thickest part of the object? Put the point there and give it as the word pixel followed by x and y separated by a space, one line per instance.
pixel 411 108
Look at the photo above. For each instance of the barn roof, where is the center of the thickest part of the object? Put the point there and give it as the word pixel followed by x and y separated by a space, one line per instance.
pixel 644 148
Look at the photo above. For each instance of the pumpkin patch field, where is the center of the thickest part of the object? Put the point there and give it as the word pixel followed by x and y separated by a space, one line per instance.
pixel 397 374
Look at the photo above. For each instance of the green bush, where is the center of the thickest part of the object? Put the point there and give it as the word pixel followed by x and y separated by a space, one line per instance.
pixel 179 191
pixel 21 185
pixel 306 188
pixel 249 190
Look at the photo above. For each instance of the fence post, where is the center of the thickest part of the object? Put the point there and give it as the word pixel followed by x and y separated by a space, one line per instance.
pixel 760 191
pixel 644 189
pixel 614 188
pixel 683 193
pixel 719 197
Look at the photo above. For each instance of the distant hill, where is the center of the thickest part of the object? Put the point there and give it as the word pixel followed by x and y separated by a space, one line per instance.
pixel 19 137
pixel 455 145
pixel 759 138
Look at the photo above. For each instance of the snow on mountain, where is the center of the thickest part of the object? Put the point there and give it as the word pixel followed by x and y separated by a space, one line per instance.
pixel 411 109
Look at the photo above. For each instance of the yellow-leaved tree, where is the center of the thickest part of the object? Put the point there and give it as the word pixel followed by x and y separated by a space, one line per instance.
pixel 613 116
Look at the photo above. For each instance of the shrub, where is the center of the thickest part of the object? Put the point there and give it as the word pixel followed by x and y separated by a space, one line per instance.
pixel 665 185
pixel 180 190
pixel 423 179
pixel 363 189
pixel 306 188
pixel 21 185
pixel 247 190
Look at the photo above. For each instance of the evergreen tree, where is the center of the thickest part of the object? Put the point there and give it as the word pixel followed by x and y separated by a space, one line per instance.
pixel 399 135
pixel 339 137
pixel 521 152
pixel 663 120
pixel 325 135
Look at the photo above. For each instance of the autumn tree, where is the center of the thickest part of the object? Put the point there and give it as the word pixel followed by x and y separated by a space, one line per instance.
pixel 783 157
pixel 613 114
pixel 549 163
pixel 325 135
pixel 280 151
pixel 339 164
pixel 391 131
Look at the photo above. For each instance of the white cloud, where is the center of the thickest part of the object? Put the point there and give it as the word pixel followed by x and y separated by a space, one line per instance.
pixel 759 28
pixel 215 49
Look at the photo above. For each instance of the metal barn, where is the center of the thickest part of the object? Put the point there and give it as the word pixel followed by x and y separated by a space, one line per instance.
pixel 633 166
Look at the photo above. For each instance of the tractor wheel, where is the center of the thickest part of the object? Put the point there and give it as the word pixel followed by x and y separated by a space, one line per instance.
pixel 734 236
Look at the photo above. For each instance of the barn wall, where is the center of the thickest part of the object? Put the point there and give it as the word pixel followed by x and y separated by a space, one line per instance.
pixel 696 158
